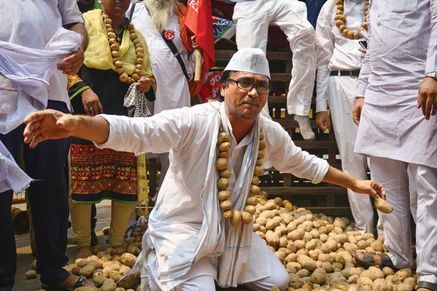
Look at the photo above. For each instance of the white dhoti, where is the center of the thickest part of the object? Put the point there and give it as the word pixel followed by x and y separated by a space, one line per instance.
pixel 203 274
pixel 408 185
pixel 253 19
pixel 341 97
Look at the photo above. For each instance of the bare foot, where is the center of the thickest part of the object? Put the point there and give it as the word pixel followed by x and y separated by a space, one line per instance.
pixel 71 281
pixel 84 252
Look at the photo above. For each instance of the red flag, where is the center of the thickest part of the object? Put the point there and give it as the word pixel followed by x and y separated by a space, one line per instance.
pixel 199 21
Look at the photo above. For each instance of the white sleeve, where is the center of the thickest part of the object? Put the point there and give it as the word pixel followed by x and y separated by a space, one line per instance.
pixel 286 157
pixel 325 47
pixel 70 12
pixel 160 133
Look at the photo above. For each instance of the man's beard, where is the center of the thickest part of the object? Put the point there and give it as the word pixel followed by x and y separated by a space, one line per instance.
pixel 159 11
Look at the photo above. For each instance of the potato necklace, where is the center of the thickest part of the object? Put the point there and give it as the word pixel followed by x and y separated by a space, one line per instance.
pixel 340 20
pixel 236 216
pixel 115 51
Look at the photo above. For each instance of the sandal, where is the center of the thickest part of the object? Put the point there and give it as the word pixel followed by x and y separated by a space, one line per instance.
pixel 427 285
pixel 369 261
pixel 80 282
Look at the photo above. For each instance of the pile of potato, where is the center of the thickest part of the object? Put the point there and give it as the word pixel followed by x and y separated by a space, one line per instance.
pixel 107 266
pixel 317 250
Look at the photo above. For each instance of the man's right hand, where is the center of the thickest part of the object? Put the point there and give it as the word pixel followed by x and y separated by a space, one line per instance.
pixel 48 124
pixel 323 120
pixel 356 112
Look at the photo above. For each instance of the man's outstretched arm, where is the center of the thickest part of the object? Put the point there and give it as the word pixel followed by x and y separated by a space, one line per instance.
pixel 52 124
pixel 370 187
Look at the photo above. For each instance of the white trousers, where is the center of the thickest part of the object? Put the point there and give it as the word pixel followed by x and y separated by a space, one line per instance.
pixel 341 96
pixel 253 19
pixel 410 188
pixel 205 282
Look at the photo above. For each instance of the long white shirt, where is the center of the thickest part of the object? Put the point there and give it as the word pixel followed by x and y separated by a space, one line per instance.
pixel 31 23
pixel 172 91
pixel 335 52
pixel 186 223
pixel 402 47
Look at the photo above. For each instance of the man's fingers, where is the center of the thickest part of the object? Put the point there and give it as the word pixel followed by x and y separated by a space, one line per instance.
pixel 419 99
pixel 434 106
pixel 428 106
pixel 99 107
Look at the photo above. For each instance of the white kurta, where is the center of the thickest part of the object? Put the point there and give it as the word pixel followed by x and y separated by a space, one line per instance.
pixel 402 47
pixel 186 223
pixel 402 145
pixel 338 53
pixel 172 91
pixel 11 176
pixel 253 19
pixel 19 18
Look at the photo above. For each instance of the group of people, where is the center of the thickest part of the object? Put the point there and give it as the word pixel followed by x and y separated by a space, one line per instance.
pixel 134 60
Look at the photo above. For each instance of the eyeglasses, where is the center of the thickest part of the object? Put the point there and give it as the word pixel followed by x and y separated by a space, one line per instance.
pixel 247 84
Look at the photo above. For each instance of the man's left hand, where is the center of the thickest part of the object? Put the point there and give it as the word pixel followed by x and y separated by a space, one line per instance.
pixel 72 63
pixel 369 187
pixel 427 99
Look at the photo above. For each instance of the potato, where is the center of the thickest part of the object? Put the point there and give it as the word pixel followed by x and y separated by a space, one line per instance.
pixel 318 276
pixel 402 287
pixel 223 183
pixel 224 146
pixel 383 206
pixel 353 279
pixel 87 271
pixel 387 271
pixel 364 281
pixel 402 274
pixel 380 285
pixel 222 137
pixel 236 218
pixel 306 262
pixel 303 273
pixel 31 274
pixel 272 238
pixel 296 235
pixel 108 285
pixel 292 257
pixel 98 278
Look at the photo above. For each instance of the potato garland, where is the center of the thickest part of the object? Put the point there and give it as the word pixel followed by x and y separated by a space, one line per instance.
pixel 237 216
pixel 340 20
pixel 115 51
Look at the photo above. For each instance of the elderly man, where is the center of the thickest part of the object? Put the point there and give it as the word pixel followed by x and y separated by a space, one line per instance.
pixel 253 18
pixel 30 25
pixel 170 48
pixel 200 230
pixel 399 75
pixel 338 67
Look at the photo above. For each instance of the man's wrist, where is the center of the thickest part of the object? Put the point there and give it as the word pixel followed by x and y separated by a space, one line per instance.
pixel 432 75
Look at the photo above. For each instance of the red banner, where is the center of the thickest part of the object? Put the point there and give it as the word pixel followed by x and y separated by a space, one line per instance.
pixel 199 21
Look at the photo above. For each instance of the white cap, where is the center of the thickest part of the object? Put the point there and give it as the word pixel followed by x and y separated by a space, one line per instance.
pixel 252 60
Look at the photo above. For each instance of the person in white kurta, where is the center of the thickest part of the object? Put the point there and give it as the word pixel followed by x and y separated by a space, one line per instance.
pixel 338 67
pixel 189 244
pixel 172 85
pixel 399 138
pixel 253 18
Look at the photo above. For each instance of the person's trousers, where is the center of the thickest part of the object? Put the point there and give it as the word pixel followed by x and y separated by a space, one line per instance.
pixel 341 97
pixel 81 217
pixel 410 188
pixel 48 201
pixel 8 254
pixel 252 23
pixel 205 278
